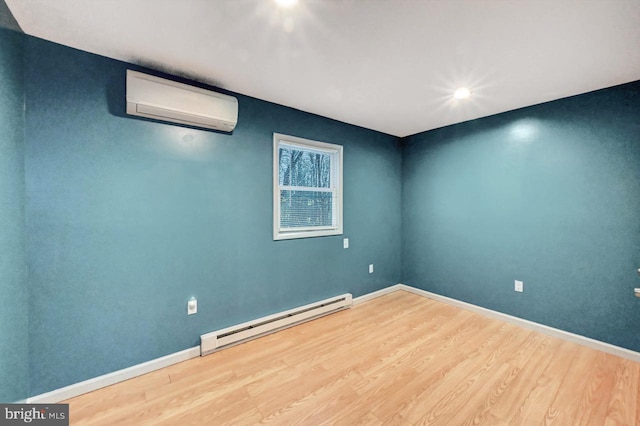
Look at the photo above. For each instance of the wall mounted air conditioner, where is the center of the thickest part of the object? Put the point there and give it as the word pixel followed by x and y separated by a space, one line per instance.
pixel 167 100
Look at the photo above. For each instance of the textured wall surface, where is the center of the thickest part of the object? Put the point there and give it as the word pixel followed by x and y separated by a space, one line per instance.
pixel 14 329
pixel 549 195
pixel 129 218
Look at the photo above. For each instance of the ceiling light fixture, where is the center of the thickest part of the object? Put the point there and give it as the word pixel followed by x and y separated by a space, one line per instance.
pixel 461 93
pixel 286 3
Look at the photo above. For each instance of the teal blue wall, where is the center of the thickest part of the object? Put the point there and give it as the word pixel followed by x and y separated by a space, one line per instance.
pixel 127 219
pixel 14 326
pixel 549 195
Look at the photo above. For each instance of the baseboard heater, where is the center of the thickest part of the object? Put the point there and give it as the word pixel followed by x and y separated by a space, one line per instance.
pixel 230 336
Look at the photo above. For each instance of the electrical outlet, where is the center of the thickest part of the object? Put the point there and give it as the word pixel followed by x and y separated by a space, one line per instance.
pixel 345 243
pixel 371 268
pixel 518 286
pixel 192 307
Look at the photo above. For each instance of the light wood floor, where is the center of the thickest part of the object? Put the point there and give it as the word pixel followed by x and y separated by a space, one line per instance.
pixel 399 359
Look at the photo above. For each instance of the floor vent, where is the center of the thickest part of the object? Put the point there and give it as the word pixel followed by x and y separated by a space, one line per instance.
pixel 240 333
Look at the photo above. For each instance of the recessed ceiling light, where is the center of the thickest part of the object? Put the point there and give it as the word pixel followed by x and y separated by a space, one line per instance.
pixel 286 3
pixel 461 93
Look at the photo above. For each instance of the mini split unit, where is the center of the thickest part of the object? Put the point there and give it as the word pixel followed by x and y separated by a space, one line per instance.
pixel 166 100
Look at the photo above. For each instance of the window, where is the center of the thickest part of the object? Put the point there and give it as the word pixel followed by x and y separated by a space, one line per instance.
pixel 307 188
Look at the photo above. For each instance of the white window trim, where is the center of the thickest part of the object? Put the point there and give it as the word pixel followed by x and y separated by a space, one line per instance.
pixel 307 144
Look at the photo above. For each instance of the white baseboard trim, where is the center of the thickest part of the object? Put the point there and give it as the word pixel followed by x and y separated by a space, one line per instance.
pixel 549 331
pixel 114 377
pixel 109 379
pixel 165 361
pixel 366 297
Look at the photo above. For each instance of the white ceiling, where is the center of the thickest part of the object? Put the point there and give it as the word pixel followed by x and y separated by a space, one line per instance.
pixel 388 65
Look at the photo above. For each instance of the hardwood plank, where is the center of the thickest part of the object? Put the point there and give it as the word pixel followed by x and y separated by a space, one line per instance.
pixel 623 401
pixel 566 403
pixel 534 407
pixel 430 372
pixel 399 359
pixel 177 390
pixel 298 388
pixel 595 398
pixel 454 379
pixel 397 420
pixel 368 330
pixel 316 407
pixel 394 349
pixel 505 396
pixel 240 412
pixel 99 406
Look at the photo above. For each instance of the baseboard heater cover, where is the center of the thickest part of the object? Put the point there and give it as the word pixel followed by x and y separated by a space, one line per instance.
pixel 230 336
